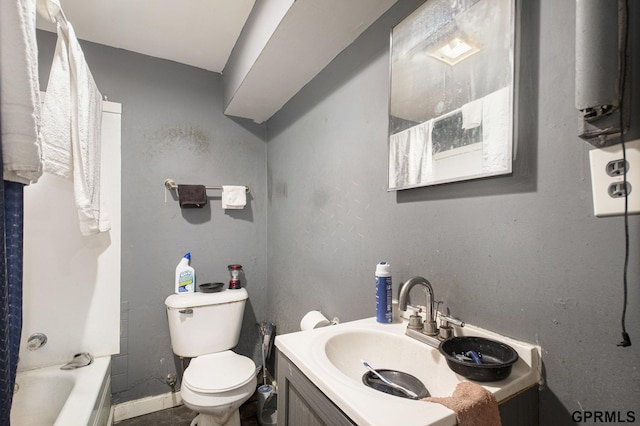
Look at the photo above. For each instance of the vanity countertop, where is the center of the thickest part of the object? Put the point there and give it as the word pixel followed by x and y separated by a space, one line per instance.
pixel 331 358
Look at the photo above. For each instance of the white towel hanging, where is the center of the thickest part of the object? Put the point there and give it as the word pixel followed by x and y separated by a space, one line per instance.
pixel 234 197
pixel 20 100
pixel 71 126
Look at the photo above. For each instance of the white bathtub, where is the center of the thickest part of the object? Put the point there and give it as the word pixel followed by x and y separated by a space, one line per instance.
pixel 50 396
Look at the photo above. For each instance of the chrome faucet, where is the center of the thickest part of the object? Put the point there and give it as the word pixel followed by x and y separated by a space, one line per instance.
pixel 430 327
pixel 36 341
pixel 427 331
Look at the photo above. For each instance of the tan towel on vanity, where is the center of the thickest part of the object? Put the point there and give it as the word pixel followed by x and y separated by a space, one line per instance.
pixel 473 405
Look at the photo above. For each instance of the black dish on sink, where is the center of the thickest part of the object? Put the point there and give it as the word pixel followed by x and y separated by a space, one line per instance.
pixel 211 287
pixel 497 358
pixel 405 380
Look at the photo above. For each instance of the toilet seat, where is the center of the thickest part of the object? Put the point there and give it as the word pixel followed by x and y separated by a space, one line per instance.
pixel 219 372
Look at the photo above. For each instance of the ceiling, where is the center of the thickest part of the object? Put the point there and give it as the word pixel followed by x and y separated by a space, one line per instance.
pixel 267 52
pixel 200 33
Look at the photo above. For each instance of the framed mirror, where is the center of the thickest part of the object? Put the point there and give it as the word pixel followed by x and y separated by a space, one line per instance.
pixel 451 113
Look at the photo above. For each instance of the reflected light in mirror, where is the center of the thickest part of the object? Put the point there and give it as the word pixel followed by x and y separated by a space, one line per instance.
pixel 453 51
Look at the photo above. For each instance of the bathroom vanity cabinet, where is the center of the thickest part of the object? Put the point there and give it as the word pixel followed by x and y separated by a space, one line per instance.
pixel 320 377
pixel 301 403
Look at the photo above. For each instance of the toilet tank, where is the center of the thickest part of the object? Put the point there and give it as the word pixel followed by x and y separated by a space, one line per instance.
pixel 205 323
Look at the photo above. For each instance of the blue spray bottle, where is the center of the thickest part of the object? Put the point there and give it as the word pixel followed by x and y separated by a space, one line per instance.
pixel 384 295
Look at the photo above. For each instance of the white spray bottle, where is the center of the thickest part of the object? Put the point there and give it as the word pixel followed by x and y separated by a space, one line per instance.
pixel 185 276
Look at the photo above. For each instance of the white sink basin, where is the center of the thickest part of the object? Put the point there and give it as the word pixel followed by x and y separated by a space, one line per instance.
pixel 331 358
pixel 347 347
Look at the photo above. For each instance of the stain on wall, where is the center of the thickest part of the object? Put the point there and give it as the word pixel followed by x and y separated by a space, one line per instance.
pixel 196 140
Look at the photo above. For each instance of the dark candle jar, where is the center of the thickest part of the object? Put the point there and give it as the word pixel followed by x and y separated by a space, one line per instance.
pixel 235 271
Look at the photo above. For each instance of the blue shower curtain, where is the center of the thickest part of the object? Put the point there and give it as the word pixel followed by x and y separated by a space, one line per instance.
pixel 11 230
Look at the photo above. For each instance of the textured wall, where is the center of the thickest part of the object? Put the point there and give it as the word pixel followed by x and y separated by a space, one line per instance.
pixel 522 255
pixel 173 127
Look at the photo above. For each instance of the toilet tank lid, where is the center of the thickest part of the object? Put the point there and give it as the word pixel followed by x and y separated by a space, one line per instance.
pixel 192 300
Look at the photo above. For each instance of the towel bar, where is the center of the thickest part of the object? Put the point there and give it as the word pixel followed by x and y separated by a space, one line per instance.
pixel 170 184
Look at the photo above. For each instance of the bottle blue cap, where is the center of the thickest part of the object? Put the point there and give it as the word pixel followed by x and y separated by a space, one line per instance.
pixel 188 256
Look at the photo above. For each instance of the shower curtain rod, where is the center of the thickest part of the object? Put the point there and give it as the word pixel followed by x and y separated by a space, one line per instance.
pixel 170 184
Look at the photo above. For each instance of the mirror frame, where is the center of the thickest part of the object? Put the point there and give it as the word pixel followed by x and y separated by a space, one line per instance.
pixel 446 148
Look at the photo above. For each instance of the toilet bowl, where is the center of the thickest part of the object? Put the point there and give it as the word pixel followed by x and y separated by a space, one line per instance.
pixel 204 327
pixel 215 386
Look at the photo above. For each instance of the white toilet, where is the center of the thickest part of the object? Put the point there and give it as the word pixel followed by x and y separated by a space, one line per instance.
pixel 204 327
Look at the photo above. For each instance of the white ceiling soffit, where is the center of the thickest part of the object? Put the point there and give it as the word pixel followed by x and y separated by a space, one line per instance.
pixel 283 46
pixel 200 33
pixel 309 36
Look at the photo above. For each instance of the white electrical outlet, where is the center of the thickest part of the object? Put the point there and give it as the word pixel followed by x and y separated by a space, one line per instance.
pixel 607 179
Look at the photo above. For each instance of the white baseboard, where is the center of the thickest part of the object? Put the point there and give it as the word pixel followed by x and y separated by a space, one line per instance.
pixel 110 419
pixel 142 406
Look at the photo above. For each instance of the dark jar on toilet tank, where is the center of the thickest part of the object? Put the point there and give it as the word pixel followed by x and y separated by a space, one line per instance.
pixel 236 272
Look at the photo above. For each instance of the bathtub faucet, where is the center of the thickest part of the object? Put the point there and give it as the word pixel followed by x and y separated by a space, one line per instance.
pixel 36 341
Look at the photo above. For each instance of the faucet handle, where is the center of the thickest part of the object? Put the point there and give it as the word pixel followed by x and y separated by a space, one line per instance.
pixel 415 322
pixel 36 341
pixel 415 319
pixel 446 331
pixel 446 320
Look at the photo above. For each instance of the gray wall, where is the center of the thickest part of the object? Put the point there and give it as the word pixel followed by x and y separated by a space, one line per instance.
pixel 173 127
pixel 522 255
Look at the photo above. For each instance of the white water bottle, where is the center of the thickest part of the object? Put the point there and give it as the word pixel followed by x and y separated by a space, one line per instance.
pixel 185 276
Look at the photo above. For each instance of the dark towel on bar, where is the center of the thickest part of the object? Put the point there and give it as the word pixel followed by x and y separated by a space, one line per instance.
pixel 192 196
